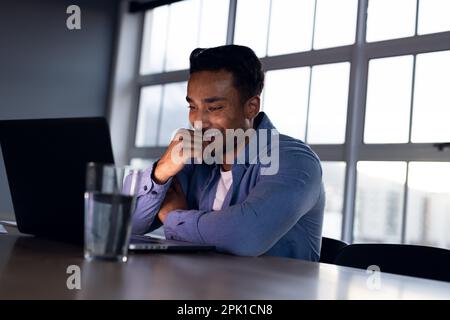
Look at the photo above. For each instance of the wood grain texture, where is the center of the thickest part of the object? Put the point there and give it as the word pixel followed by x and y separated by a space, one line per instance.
pixel 33 268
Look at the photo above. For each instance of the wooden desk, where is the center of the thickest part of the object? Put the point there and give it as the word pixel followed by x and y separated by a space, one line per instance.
pixel 34 268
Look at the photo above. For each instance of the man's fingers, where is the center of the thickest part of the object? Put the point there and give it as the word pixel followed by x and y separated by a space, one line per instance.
pixel 183 134
pixel 188 145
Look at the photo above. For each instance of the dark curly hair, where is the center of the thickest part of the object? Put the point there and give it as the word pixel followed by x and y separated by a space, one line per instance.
pixel 241 61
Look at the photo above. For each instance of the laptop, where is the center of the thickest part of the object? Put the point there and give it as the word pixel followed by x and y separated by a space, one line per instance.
pixel 45 161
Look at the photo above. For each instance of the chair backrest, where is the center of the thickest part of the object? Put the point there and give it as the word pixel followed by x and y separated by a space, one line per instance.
pixel 409 260
pixel 330 249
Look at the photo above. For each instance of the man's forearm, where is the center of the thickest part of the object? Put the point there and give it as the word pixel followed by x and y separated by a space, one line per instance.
pixel 148 203
pixel 159 175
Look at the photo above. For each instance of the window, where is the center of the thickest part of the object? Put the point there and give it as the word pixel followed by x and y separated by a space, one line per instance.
pixel 334 182
pixel 288 112
pixel 171 32
pixel 328 103
pixel 368 92
pixel 428 213
pixel 149 109
pixel 163 104
pixel 213 23
pixel 174 112
pixel 379 201
pixel 290 102
pixel 397 19
pixel 182 33
pixel 391 19
pixel 434 16
pixel 285 26
pixel 335 23
pixel 251 28
pixel 388 100
pixel 431 109
pixel 154 41
pixel 290 17
pixel 142 164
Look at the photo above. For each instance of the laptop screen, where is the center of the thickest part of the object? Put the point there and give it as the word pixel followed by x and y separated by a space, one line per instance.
pixel 45 163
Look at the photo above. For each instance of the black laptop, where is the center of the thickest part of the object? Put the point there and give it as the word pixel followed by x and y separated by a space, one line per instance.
pixel 45 162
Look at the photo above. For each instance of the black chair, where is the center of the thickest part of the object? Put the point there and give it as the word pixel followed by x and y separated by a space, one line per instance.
pixel 330 249
pixel 410 260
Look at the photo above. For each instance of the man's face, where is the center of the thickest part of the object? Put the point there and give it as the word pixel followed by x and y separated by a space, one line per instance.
pixel 215 102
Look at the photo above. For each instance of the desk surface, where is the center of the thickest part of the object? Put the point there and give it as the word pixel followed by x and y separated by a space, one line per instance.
pixel 33 268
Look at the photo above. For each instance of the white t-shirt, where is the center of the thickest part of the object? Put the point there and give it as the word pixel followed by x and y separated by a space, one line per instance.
pixel 225 181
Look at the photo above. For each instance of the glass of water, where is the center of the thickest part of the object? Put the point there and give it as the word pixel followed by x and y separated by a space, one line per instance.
pixel 109 202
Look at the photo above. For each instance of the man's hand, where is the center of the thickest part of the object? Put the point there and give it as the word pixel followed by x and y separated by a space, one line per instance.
pixel 183 147
pixel 175 199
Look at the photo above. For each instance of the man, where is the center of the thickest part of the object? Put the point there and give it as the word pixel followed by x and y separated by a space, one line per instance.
pixel 233 204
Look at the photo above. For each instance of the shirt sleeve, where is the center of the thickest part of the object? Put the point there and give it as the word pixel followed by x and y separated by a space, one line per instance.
pixel 271 209
pixel 149 197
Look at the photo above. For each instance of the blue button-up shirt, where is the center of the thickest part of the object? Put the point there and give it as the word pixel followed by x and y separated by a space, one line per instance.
pixel 279 214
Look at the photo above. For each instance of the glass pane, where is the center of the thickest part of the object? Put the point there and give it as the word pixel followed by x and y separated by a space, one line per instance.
pixel 333 180
pixel 174 112
pixel 213 23
pixel 379 201
pixel 291 26
pixel 154 41
pixel 431 108
pixel 251 25
pixel 287 110
pixel 328 103
pixel 434 16
pixel 183 33
pixel 428 215
pixel 387 19
pixel 143 164
pixel 149 106
pixel 388 100
pixel 335 23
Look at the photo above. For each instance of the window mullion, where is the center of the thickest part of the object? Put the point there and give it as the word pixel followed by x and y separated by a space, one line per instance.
pixel 355 119
pixel 135 89
pixel 417 18
pixel 161 106
pixel 411 106
pixel 402 152
pixel 308 104
pixel 405 209
pixel 231 21
pixel 314 25
pixel 268 28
